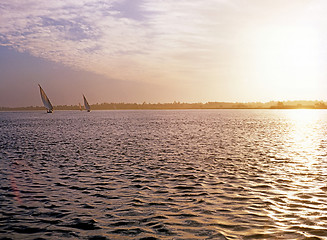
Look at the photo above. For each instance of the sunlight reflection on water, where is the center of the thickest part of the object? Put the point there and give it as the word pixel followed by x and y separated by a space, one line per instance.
pixel 304 135
pixel 304 151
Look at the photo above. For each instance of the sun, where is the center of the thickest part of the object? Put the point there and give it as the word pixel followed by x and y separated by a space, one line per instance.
pixel 285 59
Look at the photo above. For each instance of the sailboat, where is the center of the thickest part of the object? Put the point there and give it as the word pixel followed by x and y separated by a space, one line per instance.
pixel 46 102
pixel 86 104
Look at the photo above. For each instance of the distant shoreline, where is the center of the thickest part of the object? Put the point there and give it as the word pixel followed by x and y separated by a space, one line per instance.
pixel 179 105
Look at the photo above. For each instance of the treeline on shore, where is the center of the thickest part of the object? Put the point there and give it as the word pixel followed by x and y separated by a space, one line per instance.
pixel 181 105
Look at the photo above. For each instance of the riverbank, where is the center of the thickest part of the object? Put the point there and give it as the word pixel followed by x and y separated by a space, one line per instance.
pixel 180 105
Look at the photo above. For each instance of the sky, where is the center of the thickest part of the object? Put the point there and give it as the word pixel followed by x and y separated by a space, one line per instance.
pixel 162 51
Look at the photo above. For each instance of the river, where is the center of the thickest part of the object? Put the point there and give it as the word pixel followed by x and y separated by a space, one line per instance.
pixel 163 174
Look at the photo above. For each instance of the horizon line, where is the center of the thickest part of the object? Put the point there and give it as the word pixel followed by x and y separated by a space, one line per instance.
pixel 267 104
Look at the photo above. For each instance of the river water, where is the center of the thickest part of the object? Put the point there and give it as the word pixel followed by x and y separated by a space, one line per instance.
pixel 175 174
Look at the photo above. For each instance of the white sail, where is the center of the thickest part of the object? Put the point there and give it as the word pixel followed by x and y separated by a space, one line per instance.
pixel 86 104
pixel 46 102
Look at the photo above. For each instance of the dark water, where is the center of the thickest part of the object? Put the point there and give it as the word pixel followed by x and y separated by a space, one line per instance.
pixel 210 174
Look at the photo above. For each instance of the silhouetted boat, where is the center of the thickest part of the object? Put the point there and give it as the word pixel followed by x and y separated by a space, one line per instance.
pixel 86 104
pixel 46 102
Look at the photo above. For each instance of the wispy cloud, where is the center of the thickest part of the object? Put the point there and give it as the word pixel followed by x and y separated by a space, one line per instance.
pixel 153 40
pixel 135 40
pixel 85 34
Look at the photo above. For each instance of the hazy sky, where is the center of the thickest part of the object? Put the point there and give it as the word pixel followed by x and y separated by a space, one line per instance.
pixel 162 50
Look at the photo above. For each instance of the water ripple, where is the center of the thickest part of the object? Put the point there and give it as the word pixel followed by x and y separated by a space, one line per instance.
pixel 211 174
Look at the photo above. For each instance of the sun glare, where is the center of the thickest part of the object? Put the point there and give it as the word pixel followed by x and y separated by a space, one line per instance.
pixel 302 146
pixel 303 135
pixel 303 117
pixel 286 60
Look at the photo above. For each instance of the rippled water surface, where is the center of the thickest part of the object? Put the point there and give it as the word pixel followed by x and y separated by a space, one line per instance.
pixel 196 174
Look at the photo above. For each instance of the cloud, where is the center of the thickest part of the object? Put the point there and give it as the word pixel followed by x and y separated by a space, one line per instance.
pixel 164 41
pixel 138 41
pixel 77 33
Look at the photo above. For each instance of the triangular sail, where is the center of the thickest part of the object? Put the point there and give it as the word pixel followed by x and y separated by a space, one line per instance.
pixel 46 102
pixel 86 104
